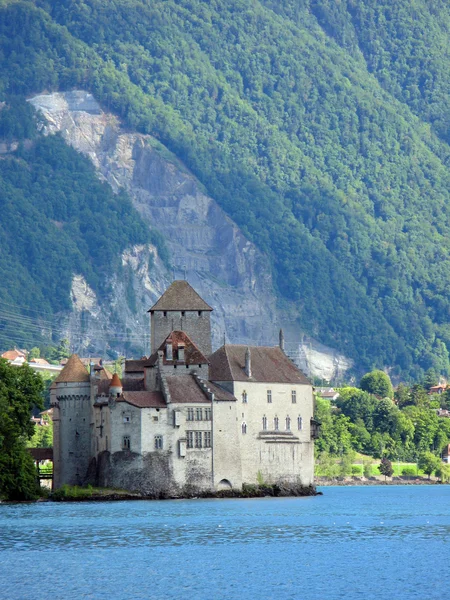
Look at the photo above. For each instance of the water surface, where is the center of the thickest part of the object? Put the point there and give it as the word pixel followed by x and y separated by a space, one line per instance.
pixel 386 542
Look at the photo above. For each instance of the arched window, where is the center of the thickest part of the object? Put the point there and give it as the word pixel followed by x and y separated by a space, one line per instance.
pixel 264 423
pixel 244 428
pixel 288 423
pixel 276 423
pixel 300 423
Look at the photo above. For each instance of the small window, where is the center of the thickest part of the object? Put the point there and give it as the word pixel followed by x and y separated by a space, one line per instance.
pixel 207 439
pixel 126 418
pixel 198 439
pixel 158 442
pixel 276 423
pixel 190 439
pixel 269 396
pixel 155 419
pixel 294 396
pixel 199 313
pixel 264 423
pixel 207 414
pixel 244 428
pixel 190 414
pixel 198 414
pixel 300 423
pixel 182 313
pixel 288 423
pixel 165 313
pixel 244 397
pixel 125 442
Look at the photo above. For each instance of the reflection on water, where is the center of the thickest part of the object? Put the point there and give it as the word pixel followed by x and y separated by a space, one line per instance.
pixel 368 542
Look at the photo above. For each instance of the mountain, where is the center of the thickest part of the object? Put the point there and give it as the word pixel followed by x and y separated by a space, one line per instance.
pixel 319 128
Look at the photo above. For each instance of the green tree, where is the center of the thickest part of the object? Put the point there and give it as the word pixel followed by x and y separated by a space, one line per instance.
pixel 428 463
pixel 378 383
pixel 385 468
pixel 20 391
pixel 34 353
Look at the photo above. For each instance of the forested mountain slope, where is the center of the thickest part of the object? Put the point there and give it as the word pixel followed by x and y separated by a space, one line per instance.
pixel 319 127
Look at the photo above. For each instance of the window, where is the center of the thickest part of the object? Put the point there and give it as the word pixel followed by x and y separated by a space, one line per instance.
pixel 244 397
pixel 300 423
pixel 198 414
pixel 244 428
pixel 264 419
pixel 269 396
pixel 198 439
pixel 182 313
pixel 126 418
pixel 190 415
pixel 126 442
pixel 276 423
pixel 199 313
pixel 190 439
pixel 158 442
pixel 288 423
pixel 165 313
pixel 294 396
pixel 207 439
pixel 207 414
pixel 155 419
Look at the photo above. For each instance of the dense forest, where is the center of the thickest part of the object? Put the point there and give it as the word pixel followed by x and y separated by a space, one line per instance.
pixel 320 127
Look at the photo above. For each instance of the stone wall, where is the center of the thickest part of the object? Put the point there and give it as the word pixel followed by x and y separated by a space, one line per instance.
pixel 197 325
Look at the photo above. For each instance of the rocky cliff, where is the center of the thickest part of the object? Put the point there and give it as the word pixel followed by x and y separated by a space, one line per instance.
pixel 205 246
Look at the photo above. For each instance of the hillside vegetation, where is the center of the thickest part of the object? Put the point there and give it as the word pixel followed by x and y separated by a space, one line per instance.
pixel 320 127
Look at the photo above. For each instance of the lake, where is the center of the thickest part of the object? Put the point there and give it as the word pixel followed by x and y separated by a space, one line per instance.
pixel 383 542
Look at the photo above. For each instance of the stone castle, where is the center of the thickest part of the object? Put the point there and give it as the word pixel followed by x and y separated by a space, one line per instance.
pixel 185 419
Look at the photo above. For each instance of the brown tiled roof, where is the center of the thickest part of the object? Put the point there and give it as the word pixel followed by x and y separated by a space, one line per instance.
pixel 104 373
pixel 268 365
pixel 143 399
pixel 13 354
pixel 135 366
pixel 115 381
pixel 39 361
pixel 192 355
pixel 103 387
pixel 41 453
pixel 185 390
pixel 180 296
pixel 220 393
pixel 74 371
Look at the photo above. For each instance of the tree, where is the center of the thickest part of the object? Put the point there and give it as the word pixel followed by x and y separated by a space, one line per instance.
pixel 385 468
pixel 428 462
pixel 20 391
pixel 34 353
pixel 378 383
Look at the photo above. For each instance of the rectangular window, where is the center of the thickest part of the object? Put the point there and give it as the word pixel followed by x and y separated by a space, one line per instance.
pixel 207 439
pixel 126 419
pixel 300 423
pixel 126 442
pixel 207 414
pixel 294 396
pixel 155 419
pixel 276 423
pixel 269 396
pixel 198 439
pixel 190 439
pixel 288 423
pixel 198 414
pixel 264 423
pixel 158 442
pixel 244 397
pixel 190 415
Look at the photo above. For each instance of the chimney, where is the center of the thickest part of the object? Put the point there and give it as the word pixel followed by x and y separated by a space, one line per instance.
pixel 169 351
pixel 181 352
pixel 281 340
pixel 248 363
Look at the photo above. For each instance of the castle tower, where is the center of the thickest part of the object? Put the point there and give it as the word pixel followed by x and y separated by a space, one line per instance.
pixel 70 398
pixel 181 308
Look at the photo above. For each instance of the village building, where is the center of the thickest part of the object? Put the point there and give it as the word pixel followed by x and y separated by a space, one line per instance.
pixel 184 419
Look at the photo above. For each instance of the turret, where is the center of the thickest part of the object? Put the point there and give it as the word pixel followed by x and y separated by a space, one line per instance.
pixel 115 387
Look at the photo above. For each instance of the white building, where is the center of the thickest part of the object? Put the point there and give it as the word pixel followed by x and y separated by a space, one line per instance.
pixel 184 420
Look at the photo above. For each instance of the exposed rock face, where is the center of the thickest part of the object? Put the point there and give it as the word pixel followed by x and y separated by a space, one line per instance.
pixel 205 245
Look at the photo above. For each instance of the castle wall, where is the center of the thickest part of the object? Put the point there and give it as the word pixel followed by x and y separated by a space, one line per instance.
pixel 72 436
pixel 226 465
pixel 275 455
pixel 197 325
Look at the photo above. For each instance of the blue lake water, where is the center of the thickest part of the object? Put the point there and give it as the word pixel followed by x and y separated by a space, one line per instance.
pixel 386 542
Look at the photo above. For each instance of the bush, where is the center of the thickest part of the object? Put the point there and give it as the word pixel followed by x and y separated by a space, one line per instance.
pixel 357 470
pixel 409 471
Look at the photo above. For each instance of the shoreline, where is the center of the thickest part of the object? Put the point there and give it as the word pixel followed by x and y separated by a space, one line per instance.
pixel 367 482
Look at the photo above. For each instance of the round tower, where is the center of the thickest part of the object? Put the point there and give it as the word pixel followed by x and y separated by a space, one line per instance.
pixel 70 397
pixel 115 387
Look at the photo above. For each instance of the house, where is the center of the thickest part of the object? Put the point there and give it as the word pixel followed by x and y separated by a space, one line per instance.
pixel 184 419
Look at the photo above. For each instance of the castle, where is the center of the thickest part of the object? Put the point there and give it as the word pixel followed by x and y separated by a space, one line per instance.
pixel 184 419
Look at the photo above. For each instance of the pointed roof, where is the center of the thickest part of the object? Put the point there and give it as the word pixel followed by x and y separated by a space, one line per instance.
pixel 180 295
pixel 115 381
pixel 269 365
pixel 192 354
pixel 74 371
